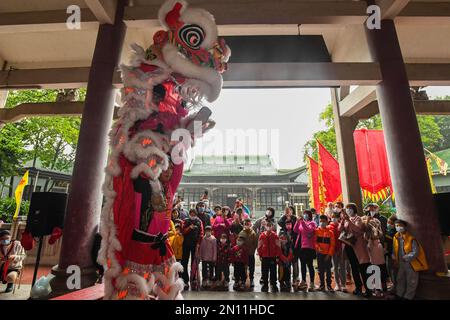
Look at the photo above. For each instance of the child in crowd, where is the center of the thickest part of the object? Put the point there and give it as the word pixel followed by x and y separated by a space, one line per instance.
pixel 251 243
pixel 235 228
pixel 285 262
pixel 340 271
pixel 239 257
pixel 325 243
pixel 410 258
pixel 268 250
pixel 223 263
pixel 176 242
pixel 208 256
pixel 220 224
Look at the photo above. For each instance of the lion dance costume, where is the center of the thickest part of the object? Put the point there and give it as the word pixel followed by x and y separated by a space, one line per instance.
pixel 163 90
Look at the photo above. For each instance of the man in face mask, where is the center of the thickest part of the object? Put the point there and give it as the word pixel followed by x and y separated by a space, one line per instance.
pixel 202 215
pixel 11 258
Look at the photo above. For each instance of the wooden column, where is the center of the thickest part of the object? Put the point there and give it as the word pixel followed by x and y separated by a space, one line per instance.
pixel 344 127
pixel 409 174
pixel 85 196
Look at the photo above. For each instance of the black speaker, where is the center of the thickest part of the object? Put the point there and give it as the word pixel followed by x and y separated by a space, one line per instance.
pixel 443 207
pixel 47 210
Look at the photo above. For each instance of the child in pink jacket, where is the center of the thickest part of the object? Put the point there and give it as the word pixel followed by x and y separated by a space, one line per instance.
pixel 208 256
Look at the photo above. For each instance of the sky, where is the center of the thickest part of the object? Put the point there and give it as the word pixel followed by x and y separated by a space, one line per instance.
pixel 277 122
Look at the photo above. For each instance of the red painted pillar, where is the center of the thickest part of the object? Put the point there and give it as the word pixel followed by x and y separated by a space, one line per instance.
pixel 409 174
pixel 85 196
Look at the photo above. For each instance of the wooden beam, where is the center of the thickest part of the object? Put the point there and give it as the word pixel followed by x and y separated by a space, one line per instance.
pixel 391 8
pixel 300 74
pixel 104 10
pixel 43 109
pixel 422 107
pixel 425 13
pixel 428 74
pixel 53 78
pixel 43 21
pixel 237 12
pixel 232 13
pixel 419 74
pixel 247 75
pixel 357 100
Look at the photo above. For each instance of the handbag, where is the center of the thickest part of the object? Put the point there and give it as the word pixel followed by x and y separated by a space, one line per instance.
pixel 347 238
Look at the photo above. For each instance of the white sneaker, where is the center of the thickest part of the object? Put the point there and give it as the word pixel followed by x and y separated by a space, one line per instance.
pixel 337 288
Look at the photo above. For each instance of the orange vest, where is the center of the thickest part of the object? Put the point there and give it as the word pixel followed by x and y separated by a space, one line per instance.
pixel 418 264
pixel 325 241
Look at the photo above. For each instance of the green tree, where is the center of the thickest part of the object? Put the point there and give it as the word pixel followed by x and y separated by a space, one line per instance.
pixel 429 128
pixel 8 208
pixel 51 140
pixel 444 128
pixel 12 152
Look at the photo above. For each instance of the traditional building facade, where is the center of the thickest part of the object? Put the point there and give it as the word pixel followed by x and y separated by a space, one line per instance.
pixel 252 178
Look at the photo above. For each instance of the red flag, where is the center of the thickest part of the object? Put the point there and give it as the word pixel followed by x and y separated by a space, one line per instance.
pixel 313 170
pixel 329 176
pixel 373 167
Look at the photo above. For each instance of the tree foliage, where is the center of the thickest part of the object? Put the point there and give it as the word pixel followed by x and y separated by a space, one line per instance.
pixel 50 140
pixel 434 130
pixel 8 208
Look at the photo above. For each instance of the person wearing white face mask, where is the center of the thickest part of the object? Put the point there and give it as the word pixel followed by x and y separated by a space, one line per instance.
pixel 340 272
pixel 11 259
pixel 410 258
pixel 357 252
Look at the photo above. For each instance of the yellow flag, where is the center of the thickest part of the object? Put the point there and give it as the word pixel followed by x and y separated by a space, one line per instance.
pixel 18 193
pixel 430 174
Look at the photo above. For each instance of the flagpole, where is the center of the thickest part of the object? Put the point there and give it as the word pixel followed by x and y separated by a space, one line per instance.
pixel 35 181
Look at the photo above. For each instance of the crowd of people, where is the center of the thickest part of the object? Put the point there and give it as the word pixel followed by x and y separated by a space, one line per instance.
pixel 347 248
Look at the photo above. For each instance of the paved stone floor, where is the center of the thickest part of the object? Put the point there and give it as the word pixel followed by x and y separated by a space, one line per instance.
pixel 257 294
pixel 21 294
pixel 24 292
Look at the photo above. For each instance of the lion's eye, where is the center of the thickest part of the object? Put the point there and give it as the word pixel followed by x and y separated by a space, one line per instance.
pixel 192 35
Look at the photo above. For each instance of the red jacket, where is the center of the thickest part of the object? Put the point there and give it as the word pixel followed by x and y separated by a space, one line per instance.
pixel 289 257
pixel 269 245
pixel 239 254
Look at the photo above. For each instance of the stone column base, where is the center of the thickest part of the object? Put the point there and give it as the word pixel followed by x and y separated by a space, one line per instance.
pixel 433 287
pixel 88 277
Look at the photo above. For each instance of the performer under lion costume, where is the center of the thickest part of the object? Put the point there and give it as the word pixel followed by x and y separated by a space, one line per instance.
pixel 163 90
